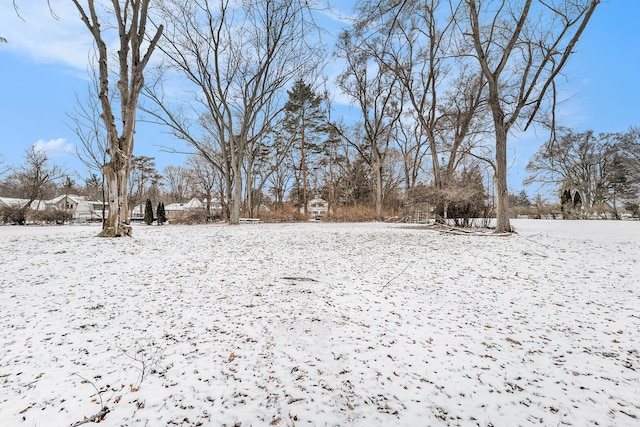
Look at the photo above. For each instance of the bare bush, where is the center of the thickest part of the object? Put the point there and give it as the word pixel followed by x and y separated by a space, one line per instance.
pixel 52 216
pixel 12 215
pixel 195 216
pixel 284 213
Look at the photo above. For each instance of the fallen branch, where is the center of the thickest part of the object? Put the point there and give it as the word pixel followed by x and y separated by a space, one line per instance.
pixel 94 418
pixel 448 229
pixel 103 409
pixel 395 277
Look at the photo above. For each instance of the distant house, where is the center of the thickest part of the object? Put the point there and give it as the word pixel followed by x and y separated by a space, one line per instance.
pixel 177 210
pixel 9 202
pixel 81 209
pixel 317 207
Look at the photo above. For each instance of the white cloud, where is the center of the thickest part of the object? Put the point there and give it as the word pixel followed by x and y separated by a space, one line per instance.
pixel 54 147
pixel 44 35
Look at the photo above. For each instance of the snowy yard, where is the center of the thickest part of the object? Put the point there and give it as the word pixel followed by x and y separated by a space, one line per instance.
pixel 321 324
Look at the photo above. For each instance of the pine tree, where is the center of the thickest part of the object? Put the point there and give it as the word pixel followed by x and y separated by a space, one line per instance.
pixel 148 213
pixel 577 203
pixel 565 199
pixel 304 119
pixel 162 217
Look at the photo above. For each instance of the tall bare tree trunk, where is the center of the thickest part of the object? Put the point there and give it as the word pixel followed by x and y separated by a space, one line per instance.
pixel 131 25
pixel 237 154
pixel 378 165
pixel 520 62
pixel 117 175
pixel 500 180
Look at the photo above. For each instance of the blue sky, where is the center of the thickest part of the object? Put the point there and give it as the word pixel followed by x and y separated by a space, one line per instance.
pixel 43 67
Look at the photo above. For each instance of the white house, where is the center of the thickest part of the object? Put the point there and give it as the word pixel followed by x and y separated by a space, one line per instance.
pixel 10 202
pixel 176 210
pixel 317 207
pixel 81 209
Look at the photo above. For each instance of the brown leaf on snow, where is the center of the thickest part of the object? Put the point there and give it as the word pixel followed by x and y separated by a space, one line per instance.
pixel 231 357
pixel 512 341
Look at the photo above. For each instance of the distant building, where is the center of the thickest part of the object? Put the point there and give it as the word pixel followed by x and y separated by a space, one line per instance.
pixel 317 207
pixel 79 208
pixel 176 210
pixel 10 202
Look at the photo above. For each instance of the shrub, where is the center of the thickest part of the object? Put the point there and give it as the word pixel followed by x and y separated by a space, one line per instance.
pixel 12 215
pixel 358 213
pixel 148 213
pixel 284 213
pixel 190 217
pixel 160 213
pixel 52 216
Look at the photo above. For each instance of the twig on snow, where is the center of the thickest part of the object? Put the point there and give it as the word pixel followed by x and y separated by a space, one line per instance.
pixel 396 276
pixel 94 418
pixel 103 409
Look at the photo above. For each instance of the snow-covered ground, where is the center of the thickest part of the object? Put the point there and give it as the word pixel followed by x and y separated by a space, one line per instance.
pixel 321 324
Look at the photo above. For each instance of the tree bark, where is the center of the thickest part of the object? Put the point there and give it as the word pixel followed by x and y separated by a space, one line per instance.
pixel 131 24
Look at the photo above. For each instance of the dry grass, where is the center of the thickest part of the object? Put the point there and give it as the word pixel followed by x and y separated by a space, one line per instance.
pixel 285 213
pixel 358 213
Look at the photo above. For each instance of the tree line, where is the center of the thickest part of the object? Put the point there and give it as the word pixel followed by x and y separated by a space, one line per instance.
pixel 590 174
pixel 436 88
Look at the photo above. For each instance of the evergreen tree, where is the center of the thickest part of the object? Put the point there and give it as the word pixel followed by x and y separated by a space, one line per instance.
pixel 303 122
pixel 148 213
pixel 577 200
pixel 162 217
pixel 565 198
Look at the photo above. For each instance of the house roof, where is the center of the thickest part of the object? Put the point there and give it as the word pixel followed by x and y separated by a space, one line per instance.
pixel 18 203
pixel 191 204
pixel 11 202
pixel 73 197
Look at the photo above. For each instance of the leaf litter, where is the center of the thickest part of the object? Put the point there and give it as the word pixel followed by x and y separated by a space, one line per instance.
pixel 321 324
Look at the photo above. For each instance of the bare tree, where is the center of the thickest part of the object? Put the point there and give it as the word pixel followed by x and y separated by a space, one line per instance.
pixel 378 94
pixel 143 181
pixel 521 47
pixel 595 166
pixel 417 41
pixel 207 181
pixel 176 178
pixel 630 143
pixel 411 144
pixel 413 44
pixel 33 177
pixel 131 23
pixel 239 57
pixel 87 124
pixel 3 169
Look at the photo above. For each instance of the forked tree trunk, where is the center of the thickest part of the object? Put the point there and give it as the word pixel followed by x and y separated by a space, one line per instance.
pixel 131 21
pixel 540 45
pixel 118 222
